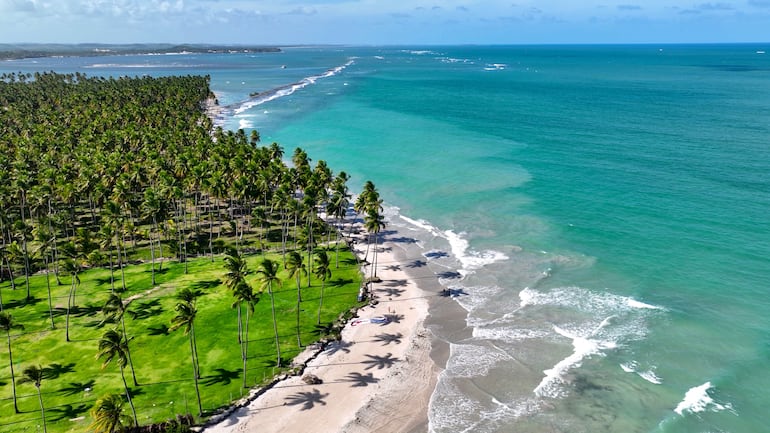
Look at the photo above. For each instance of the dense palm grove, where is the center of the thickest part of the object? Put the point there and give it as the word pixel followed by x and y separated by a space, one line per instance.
pixel 103 172
pixel 92 166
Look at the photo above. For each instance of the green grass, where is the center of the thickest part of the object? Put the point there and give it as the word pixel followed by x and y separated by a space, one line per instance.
pixel 161 358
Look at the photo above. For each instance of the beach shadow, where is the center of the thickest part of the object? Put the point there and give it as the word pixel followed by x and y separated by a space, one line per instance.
pixel 395 283
pixel 308 399
pixel 386 338
pixel 220 376
pixel 392 291
pixel 436 254
pixel 360 380
pixel 417 264
pixel 73 388
pixel 451 293
pixel 55 370
pixel 338 346
pixel 394 318
pixel 449 275
pixel 380 362
pixel 66 411
pixel 402 240
pixel 146 310
pixel 159 329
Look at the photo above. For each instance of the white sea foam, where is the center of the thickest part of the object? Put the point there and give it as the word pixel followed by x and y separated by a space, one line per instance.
pixel 245 124
pixel 650 376
pixel 698 399
pixel 469 259
pixel 451 410
pixel 636 304
pixel 551 385
pixel 288 89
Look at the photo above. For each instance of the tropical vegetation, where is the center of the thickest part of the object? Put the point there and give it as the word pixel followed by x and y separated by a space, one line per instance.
pixel 124 216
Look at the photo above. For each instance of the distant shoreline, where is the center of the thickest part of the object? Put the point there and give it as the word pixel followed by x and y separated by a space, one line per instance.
pixel 27 51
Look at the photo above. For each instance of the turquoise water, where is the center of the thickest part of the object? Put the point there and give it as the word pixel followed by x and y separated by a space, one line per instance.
pixel 607 207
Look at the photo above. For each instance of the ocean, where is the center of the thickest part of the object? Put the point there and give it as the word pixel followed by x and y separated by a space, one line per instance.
pixel 600 213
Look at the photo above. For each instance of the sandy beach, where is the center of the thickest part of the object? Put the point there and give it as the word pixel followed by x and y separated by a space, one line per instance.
pixel 378 378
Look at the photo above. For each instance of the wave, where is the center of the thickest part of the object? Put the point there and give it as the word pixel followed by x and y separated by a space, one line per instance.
pixel 470 260
pixel 648 375
pixel 698 399
pixel 285 90
pixel 550 386
pixel 595 322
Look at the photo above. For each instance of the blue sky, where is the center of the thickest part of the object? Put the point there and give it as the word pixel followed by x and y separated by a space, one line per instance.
pixel 284 22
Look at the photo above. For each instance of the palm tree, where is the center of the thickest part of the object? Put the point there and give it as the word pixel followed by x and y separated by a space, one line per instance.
pixel 108 415
pixel 235 278
pixel 296 269
pixel 44 238
pixel 72 267
pixel 323 272
pixel 268 273
pixel 185 319
pixel 115 310
pixel 6 324
pixel 374 223
pixel 34 374
pixel 112 346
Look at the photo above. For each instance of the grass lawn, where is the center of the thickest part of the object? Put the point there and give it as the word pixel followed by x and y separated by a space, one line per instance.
pixel 74 378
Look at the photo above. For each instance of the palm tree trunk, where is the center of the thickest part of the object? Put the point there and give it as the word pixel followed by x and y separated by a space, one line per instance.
pixel 196 373
pixel 48 283
pixel 321 302
pixel 128 396
pixel 42 408
pixel 245 350
pixel 70 297
pixel 128 351
pixel 275 325
pixel 13 376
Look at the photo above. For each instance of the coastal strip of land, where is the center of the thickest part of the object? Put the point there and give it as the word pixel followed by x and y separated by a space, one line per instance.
pixel 377 378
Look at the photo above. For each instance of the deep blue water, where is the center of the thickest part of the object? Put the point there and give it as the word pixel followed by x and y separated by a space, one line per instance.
pixel 607 205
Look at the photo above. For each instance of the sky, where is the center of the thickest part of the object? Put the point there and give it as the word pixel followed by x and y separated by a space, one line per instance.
pixel 383 22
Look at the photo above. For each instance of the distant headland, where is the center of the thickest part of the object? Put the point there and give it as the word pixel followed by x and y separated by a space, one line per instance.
pixel 22 51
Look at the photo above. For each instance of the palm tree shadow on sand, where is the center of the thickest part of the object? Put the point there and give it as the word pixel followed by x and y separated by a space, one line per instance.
pixel 308 399
pixel 380 362
pixel 359 380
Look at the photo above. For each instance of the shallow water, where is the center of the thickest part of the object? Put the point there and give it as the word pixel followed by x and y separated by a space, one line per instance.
pixel 605 206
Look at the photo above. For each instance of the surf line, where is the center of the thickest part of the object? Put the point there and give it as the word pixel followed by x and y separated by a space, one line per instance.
pixel 259 98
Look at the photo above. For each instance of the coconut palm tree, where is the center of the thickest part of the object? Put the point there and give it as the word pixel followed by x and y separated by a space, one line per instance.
pixel 268 273
pixel 235 278
pixel 323 272
pixel 108 416
pixel 34 375
pixel 114 309
pixel 44 240
pixel 7 324
pixel 112 346
pixel 185 319
pixel 296 269
pixel 374 223
pixel 73 268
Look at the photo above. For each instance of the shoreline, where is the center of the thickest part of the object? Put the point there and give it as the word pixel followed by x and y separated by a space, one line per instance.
pixel 378 378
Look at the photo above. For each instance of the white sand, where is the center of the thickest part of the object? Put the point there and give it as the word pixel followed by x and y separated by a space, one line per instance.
pixel 379 379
